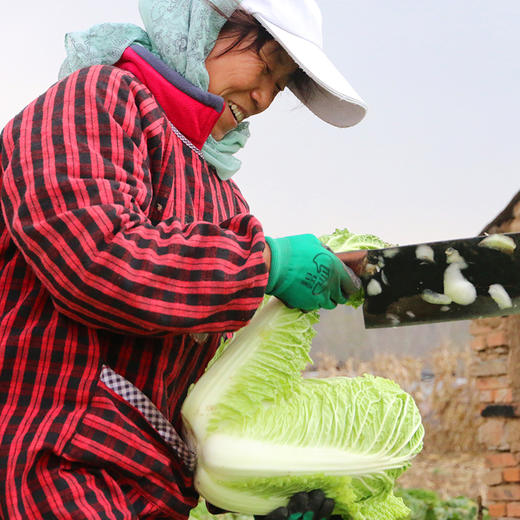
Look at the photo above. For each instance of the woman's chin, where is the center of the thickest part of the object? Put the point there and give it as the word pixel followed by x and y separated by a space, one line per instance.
pixel 219 132
pixel 218 136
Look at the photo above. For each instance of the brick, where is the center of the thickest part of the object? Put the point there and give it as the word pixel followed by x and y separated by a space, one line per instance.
pixel 491 383
pixel 476 328
pixel 512 432
pixel 491 323
pixel 501 460
pixel 493 477
pixel 487 396
pixel 492 434
pixel 497 339
pixel 504 492
pixel 503 395
pixel 478 343
pixel 478 322
pixel 497 509
pixel 511 474
pixel 513 509
pixel 495 323
pixel 490 367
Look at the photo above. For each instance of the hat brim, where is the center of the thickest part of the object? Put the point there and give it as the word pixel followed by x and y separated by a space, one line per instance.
pixel 331 96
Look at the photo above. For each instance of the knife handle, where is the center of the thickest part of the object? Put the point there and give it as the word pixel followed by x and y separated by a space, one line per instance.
pixel 356 260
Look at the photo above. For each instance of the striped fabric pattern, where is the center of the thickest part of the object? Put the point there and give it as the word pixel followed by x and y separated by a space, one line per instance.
pixel 119 246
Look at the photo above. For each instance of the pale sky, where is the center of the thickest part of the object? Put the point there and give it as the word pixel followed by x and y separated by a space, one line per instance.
pixel 437 156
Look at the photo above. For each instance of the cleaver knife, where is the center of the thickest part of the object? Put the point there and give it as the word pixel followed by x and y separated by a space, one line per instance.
pixel 433 282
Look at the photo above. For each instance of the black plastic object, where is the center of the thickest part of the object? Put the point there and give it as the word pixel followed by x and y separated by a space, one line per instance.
pixel 499 410
pixel 403 276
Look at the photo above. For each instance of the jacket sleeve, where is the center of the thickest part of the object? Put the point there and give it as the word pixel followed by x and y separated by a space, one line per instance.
pixel 76 198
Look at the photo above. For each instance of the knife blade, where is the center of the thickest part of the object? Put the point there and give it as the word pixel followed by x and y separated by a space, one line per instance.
pixel 440 281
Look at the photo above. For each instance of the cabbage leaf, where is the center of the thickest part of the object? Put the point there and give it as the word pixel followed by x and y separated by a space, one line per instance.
pixel 343 240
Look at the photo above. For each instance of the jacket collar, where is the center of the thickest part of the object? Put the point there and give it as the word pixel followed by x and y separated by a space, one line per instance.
pixel 191 110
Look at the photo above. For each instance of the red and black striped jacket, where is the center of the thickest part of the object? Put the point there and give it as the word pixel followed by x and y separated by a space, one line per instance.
pixel 119 246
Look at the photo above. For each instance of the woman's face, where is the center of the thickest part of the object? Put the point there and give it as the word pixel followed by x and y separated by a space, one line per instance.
pixel 248 81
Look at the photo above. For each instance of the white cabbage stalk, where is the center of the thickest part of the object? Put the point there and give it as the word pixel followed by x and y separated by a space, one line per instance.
pixel 262 432
pixel 458 288
pixel 499 242
pixel 424 252
pixel 500 295
pixel 435 298
pixel 374 288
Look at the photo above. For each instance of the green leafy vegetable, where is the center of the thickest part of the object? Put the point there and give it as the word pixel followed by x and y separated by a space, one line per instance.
pixel 262 432
pixel 423 504
pixel 200 512
pixel 427 505
pixel 344 240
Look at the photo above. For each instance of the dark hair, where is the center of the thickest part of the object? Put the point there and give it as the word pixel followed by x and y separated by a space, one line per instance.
pixel 239 25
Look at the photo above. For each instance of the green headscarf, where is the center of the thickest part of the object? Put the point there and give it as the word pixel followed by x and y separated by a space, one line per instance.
pixel 181 33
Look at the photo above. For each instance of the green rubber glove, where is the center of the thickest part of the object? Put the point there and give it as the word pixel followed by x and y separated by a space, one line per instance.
pixel 304 506
pixel 306 275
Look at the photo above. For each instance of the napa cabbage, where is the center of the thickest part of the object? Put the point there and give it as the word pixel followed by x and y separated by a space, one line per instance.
pixel 262 432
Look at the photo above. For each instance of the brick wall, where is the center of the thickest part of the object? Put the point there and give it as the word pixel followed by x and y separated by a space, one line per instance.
pixel 496 367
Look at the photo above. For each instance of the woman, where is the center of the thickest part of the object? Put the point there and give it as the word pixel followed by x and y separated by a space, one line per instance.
pixel 127 253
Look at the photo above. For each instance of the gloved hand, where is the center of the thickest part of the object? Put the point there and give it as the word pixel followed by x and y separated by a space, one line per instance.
pixel 306 275
pixel 304 506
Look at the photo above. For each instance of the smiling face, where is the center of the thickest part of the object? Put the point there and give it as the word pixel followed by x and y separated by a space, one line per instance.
pixel 247 80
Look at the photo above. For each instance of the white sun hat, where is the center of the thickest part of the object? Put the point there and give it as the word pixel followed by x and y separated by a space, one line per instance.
pixel 297 26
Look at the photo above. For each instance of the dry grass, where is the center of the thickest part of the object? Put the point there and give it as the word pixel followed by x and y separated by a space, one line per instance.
pixel 449 474
pixel 451 462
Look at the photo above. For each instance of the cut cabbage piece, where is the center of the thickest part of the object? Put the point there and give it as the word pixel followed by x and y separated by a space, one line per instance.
pixel 390 252
pixel 374 288
pixel 372 269
pixel 500 296
pixel 344 240
pixel 453 257
pixel 499 242
pixel 424 252
pixel 458 288
pixel 435 298
pixel 393 318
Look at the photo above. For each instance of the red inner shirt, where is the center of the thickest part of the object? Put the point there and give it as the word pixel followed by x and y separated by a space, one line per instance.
pixel 193 111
